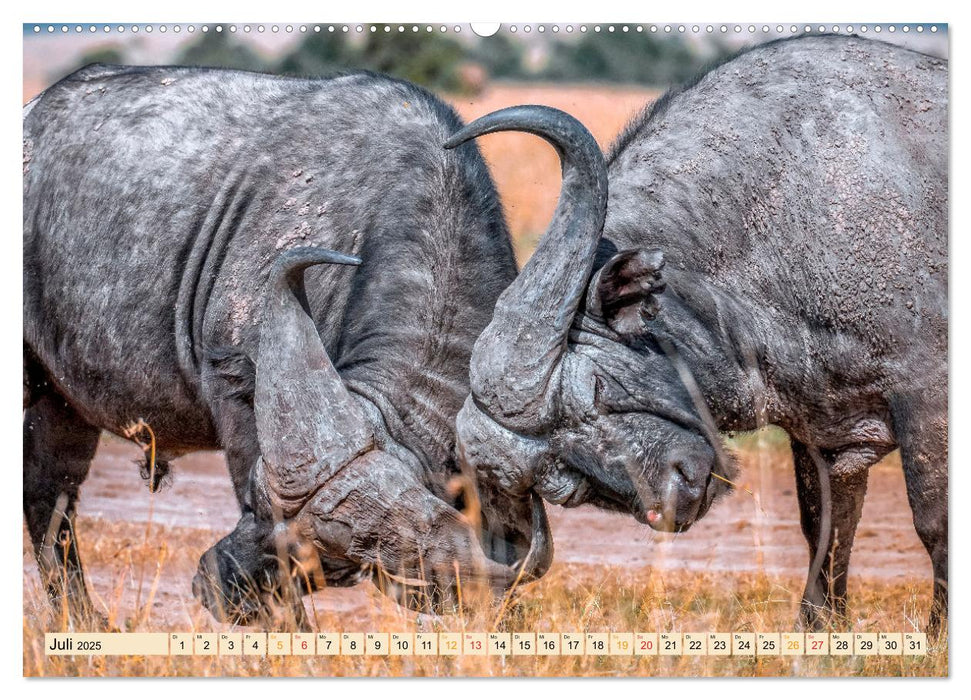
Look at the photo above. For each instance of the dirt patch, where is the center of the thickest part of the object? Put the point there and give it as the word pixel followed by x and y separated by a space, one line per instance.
pixel 742 535
pixel 610 574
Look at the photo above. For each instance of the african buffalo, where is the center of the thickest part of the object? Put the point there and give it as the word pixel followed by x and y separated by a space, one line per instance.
pixel 796 198
pixel 170 217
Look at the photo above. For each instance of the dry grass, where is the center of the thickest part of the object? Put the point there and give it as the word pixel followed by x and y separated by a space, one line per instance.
pixel 570 598
pixel 129 559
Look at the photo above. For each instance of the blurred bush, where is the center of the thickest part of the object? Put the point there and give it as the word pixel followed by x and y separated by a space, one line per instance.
pixel 627 58
pixel 103 54
pixel 502 56
pixel 432 60
pixel 217 49
pixel 318 54
pixel 444 63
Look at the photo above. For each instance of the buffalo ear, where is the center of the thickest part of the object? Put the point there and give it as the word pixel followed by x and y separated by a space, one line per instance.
pixel 624 291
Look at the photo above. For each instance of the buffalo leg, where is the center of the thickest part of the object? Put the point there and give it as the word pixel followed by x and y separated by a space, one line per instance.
pixel 236 425
pixel 58 448
pixel 228 380
pixel 825 592
pixel 922 435
pixel 237 432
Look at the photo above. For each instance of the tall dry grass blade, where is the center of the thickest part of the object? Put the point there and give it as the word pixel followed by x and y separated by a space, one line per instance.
pixel 47 565
pixel 760 410
pixel 142 615
pixel 65 541
pixel 53 527
pixel 739 487
pixel 698 399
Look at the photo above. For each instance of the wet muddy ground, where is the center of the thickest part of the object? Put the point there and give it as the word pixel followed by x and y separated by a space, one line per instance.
pixel 745 533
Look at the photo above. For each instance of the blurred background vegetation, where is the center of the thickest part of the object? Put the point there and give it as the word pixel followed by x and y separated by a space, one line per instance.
pixel 457 64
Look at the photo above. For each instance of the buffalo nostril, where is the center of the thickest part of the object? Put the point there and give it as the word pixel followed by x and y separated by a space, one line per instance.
pixel 692 466
pixel 683 468
pixel 679 467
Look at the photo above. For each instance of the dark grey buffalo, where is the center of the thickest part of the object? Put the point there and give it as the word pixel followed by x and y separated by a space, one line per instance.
pixel 796 199
pixel 173 219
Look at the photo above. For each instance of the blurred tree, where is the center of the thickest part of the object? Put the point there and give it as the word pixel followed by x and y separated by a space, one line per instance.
pixel 103 54
pixel 217 49
pixel 440 62
pixel 627 58
pixel 319 54
pixel 432 60
pixel 501 56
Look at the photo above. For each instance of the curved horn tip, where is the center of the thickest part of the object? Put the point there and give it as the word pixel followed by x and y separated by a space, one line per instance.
pixel 296 260
pixel 515 357
pixel 454 140
pixel 306 256
pixel 540 556
pixel 549 123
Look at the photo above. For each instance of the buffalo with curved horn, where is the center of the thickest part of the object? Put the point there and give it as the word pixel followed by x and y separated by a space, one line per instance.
pixel 326 478
pixel 798 195
pixel 516 362
pixel 321 477
pixel 174 220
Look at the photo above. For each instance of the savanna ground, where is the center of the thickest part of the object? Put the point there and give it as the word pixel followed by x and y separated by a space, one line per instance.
pixel 741 569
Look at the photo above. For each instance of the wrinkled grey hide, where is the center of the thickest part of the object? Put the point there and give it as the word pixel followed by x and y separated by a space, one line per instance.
pixel 178 229
pixel 774 252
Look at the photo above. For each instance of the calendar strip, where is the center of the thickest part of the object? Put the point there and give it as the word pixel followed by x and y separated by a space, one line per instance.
pixel 744 644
